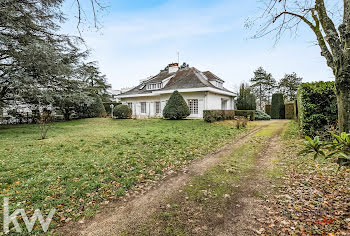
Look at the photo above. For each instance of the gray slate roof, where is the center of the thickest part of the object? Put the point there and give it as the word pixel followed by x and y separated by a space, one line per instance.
pixel 183 79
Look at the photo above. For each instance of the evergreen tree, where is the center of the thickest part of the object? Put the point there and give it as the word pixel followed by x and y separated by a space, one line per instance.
pixel 96 81
pixel 259 83
pixel 288 86
pixel 246 99
pixel 176 108
pixel 270 86
pixel 277 106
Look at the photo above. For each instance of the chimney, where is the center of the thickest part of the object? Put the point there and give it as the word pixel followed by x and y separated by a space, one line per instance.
pixel 173 67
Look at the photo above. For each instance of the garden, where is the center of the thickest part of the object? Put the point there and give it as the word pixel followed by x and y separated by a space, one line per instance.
pixel 84 163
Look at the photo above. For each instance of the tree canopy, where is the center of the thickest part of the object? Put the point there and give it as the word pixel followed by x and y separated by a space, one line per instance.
pixel 263 85
pixel 331 27
pixel 39 66
pixel 288 86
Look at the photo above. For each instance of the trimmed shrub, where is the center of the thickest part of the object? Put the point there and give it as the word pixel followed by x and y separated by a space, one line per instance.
pixel 217 115
pixel 260 115
pixel 122 112
pixel 246 113
pixel 317 108
pixel 268 109
pixel 176 108
pixel 277 106
pixel 107 106
pixel 290 111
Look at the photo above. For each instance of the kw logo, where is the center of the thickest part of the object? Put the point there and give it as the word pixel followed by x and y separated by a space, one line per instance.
pixel 29 223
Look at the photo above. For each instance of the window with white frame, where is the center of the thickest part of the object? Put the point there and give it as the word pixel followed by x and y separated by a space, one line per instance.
pixel 130 105
pixel 143 107
pixel 154 86
pixel 193 105
pixel 219 84
pixel 157 107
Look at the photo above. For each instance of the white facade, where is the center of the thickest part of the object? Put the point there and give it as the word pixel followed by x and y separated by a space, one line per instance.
pixel 201 91
pixel 148 106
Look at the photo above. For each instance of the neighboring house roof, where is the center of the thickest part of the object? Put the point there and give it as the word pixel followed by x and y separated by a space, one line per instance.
pixel 184 78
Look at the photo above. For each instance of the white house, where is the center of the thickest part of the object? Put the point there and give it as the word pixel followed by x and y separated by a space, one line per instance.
pixel 201 90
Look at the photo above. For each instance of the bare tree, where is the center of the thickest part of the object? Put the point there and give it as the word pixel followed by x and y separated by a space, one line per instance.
pixel 330 23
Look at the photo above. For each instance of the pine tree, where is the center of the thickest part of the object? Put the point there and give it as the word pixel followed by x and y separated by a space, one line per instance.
pixel 288 86
pixel 259 83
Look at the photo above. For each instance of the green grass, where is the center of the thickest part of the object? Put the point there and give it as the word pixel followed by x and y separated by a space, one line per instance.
pixel 85 162
pixel 292 131
pixel 207 195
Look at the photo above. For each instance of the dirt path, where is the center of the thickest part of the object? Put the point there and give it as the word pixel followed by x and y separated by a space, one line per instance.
pixel 248 202
pixel 116 218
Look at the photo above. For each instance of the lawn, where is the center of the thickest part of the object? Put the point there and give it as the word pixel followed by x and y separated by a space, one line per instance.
pixel 85 162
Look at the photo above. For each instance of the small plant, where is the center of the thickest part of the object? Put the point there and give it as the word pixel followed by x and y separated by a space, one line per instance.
pixel 122 112
pixel 238 124
pixel 45 120
pixel 244 122
pixel 313 146
pixel 339 149
pixel 241 122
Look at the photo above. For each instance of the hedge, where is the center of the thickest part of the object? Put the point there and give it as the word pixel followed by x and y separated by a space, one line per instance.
pixel 277 106
pixel 317 107
pixel 246 113
pixel 217 115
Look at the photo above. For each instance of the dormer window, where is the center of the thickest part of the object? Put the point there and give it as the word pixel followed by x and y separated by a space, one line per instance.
pixel 219 84
pixel 154 86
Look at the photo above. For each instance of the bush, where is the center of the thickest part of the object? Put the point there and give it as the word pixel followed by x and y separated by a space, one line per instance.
pixel 277 106
pixel 107 106
pixel 246 113
pixel 96 108
pixel 176 108
pixel 317 108
pixel 217 115
pixel 122 112
pixel 338 149
pixel 260 115
pixel 241 123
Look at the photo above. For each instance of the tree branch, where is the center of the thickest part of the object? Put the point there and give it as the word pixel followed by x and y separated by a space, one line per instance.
pixel 328 28
pixel 316 29
pixel 303 18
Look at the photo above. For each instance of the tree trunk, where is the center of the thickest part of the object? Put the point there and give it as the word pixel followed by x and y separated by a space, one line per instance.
pixel 343 97
pixel 260 97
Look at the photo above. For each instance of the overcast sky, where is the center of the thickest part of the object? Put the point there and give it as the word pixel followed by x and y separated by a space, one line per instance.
pixel 138 38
